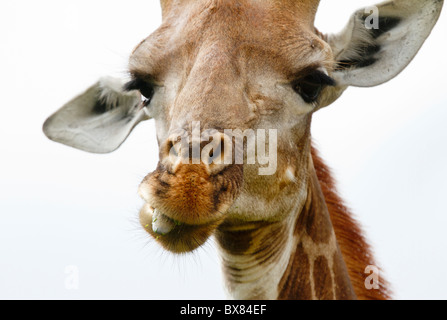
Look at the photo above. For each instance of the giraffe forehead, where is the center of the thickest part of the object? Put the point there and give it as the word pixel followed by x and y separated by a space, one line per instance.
pixel 303 10
pixel 258 32
pixel 258 22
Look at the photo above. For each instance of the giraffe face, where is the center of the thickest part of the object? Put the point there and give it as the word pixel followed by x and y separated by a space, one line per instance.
pixel 237 68
pixel 213 71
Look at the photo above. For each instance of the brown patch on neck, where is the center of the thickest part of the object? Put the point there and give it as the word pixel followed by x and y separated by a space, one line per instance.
pixel 355 250
pixel 249 238
pixel 312 219
pixel 316 270
pixel 322 279
pixel 296 282
pixel 252 239
pixel 251 252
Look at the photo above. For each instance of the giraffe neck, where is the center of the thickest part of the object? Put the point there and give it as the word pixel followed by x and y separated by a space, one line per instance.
pixel 297 258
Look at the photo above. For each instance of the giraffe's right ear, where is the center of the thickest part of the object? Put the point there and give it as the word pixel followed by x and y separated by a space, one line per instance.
pixel 99 120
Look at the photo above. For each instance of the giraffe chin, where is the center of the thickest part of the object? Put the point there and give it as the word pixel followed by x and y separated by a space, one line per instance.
pixel 175 236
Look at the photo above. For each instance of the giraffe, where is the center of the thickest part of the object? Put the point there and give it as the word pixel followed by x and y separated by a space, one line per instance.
pixel 250 65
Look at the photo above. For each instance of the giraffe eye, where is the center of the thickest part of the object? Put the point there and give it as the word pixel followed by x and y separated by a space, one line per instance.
pixel 146 95
pixel 145 88
pixel 311 86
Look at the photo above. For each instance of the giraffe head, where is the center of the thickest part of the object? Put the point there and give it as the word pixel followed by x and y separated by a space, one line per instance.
pixel 218 72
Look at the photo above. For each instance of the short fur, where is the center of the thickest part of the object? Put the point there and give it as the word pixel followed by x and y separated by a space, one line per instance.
pixel 239 64
pixel 355 249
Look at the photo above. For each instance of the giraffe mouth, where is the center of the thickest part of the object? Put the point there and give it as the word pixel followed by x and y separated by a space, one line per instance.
pixel 183 209
pixel 173 235
pixel 161 224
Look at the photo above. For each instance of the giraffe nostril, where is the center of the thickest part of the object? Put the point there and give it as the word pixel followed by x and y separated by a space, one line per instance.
pixel 210 149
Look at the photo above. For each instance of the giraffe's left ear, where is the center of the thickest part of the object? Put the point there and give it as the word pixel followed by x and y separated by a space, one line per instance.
pixel 380 41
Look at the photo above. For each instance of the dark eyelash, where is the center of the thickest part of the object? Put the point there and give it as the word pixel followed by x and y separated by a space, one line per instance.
pixel 145 88
pixel 310 86
pixel 320 77
pixel 134 84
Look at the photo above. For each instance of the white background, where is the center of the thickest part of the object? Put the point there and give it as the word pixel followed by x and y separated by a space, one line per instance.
pixel 60 207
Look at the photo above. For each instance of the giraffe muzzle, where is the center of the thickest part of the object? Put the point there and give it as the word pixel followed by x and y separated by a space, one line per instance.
pixel 183 209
